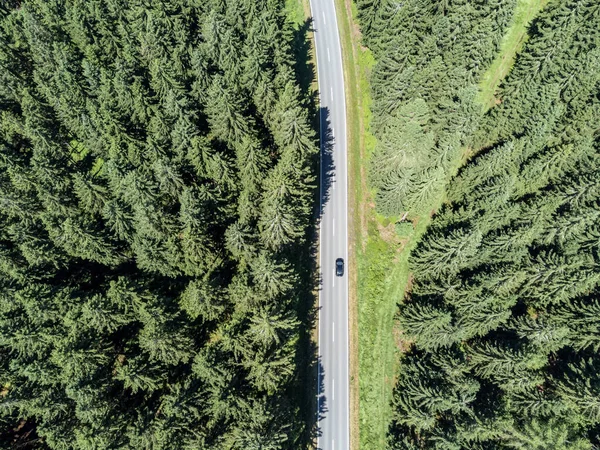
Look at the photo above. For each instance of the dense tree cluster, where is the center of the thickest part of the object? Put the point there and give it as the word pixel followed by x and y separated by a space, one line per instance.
pixel 430 55
pixel 504 312
pixel 156 180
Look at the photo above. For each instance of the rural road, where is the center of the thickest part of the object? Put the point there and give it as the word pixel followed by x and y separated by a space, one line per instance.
pixel 333 401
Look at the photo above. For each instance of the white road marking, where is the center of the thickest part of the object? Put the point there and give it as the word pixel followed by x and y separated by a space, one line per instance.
pixel 332 389
pixel 328 55
pixel 332 331
pixel 331 94
pixel 320 68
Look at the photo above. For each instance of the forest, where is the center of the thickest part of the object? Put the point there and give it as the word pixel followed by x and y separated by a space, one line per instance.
pixel 502 316
pixel 157 183
pixel 423 87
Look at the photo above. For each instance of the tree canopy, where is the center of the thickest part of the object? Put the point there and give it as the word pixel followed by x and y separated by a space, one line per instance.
pixel 430 55
pixel 502 314
pixel 157 176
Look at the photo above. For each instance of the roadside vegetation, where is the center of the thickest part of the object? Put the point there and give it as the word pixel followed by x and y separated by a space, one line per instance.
pixel 497 329
pixel 379 272
pixel 382 245
pixel 430 57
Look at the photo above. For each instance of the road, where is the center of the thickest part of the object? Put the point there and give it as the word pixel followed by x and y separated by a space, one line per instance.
pixel 333 401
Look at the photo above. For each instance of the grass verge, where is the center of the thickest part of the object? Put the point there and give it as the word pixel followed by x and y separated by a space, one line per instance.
pixel 512 43
pixel 295 12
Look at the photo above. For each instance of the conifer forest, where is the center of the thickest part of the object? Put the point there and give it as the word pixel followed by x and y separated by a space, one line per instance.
pixel 157 183
pixel 159 201
pixel 502 316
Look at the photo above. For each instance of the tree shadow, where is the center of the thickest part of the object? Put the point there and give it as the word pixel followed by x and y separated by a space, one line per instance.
pixel 304 67
pixel 312 372
pixel 309 387
pixel 321 401
pixel 327 166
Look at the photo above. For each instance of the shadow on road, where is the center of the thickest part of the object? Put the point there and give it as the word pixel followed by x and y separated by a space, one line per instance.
pixel 316 393
pixel 327 172
pixel 321 399
pixel 308 393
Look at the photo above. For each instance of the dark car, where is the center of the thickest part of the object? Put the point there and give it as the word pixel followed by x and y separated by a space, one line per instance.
pixel 339 267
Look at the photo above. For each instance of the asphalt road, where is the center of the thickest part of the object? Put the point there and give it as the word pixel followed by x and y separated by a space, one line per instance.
pixel 333 401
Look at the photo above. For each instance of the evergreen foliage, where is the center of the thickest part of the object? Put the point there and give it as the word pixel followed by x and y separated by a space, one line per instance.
pixel 430 55
pixel 503 310
pixel 157 169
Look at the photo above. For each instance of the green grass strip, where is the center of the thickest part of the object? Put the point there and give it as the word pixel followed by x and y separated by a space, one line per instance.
pixel 512 44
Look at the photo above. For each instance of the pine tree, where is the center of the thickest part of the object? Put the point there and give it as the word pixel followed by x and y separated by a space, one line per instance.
pixel 157 166
pixel 507 271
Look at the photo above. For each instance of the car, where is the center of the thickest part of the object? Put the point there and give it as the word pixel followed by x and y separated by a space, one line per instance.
pixel 339 267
